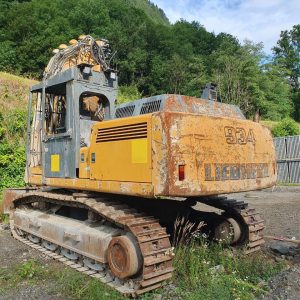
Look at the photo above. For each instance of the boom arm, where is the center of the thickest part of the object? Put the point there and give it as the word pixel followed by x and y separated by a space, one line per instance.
pixel 86 50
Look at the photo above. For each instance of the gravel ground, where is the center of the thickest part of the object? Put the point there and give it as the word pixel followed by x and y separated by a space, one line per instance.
pixel 14 253
pixel 280 208
pixel 285 286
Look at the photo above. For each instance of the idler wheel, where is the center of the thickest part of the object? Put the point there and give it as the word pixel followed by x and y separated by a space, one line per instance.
pixel 124 257
pixel 228 231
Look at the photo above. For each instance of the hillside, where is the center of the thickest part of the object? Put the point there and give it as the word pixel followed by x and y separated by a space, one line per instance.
pixel 151 58
pixel 152 11
pixel 13 101
pixel 14 92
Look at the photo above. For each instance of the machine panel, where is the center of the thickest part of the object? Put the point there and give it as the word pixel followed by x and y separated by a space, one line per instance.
pixel 121 150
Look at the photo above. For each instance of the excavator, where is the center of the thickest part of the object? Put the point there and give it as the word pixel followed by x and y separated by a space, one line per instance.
pixel 107 184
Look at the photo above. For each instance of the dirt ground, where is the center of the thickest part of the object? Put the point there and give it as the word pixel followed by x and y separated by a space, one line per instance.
pixel 14 253
pixel 280 208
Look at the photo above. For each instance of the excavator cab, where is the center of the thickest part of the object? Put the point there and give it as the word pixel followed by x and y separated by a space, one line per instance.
pixel 69 105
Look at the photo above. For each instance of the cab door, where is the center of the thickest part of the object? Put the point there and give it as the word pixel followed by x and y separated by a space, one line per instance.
pixel 58 142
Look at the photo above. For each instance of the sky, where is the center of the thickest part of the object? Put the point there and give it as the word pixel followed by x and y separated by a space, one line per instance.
pixel 255 20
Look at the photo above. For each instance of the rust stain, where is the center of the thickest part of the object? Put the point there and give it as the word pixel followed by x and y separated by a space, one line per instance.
pixel 211 141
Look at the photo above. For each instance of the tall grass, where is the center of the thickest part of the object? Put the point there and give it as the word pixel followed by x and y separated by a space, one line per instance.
pixel 185 230
pixel 237 276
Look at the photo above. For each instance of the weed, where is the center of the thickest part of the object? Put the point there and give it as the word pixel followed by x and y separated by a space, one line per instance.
pixel 240 277
pixel 28 269
pixel 185 230
pixel 4 218
pixel 82 287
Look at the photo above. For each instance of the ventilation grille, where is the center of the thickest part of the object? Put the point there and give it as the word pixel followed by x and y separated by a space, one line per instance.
pixel 119 133
pixel 150 107
pixel 126 111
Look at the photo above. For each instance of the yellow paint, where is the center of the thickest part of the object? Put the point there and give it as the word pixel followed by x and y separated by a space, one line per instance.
pixel 35 180
pixel 119 157
pixel 139 151
pixel 116 187
pixel 148 166
pixel 36 170
pixel 55 163
pixel 84 165
pixel 196 140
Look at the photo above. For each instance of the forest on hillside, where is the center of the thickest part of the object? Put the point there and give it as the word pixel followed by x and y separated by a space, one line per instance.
pixel 154 57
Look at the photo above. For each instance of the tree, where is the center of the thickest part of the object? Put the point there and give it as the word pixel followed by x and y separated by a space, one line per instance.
pixel 237 73
pixel 287 53
pixel 154 56
pixel 8 57
pixel 196 76
pixel 276 103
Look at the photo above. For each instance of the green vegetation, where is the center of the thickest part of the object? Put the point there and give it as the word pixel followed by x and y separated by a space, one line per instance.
pixel 238 276
pixel 13 95
pixel 154 56
pixel 286 127
pixel 196 277
pixel 128 93
pixel 287 58
pixel 28 269
pixel 151 10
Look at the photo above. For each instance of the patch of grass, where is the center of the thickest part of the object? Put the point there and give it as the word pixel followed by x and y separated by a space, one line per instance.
pixel 26 273
pixel 14 91
pixel 80 286
pixel 28 269
pixel 287 184
pixel 66 281
pixel 4 218
pixel 271 124
pixel 239 276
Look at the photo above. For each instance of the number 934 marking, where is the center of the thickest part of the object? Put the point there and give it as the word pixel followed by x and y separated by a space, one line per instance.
pixel 237 135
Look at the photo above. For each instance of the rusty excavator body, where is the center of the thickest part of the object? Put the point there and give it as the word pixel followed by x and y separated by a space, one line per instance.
pixel 107 182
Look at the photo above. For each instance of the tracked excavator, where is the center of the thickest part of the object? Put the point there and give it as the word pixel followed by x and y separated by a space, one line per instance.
pixel 107 182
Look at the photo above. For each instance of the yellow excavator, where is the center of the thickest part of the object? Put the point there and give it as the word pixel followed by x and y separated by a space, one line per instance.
pixel 107 182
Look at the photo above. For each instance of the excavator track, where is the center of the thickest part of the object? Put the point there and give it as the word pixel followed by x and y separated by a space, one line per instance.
pixel 152 239
pixel 252 222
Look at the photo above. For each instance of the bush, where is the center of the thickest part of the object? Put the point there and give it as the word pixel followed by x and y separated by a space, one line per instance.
pixel 286 127
pixel 128 93
pixel 12 165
